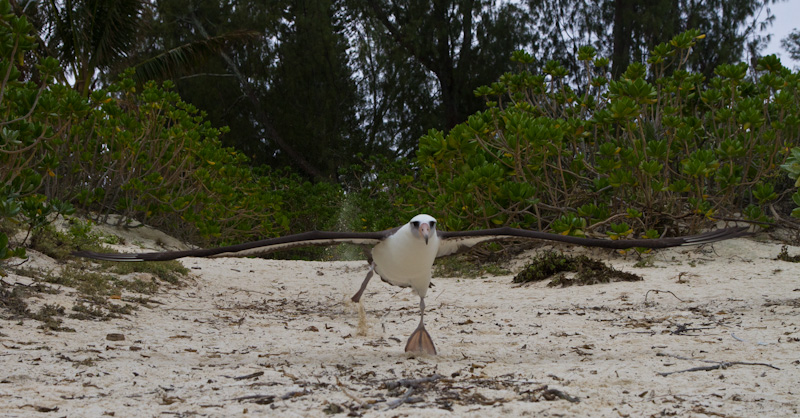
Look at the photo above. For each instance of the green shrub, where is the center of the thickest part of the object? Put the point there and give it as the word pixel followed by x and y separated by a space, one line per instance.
pixel 23 136
pixel 792 169
pixel 379 194
pixel 137 151
pixel 143 153
pixel 659 147
pixel 150 156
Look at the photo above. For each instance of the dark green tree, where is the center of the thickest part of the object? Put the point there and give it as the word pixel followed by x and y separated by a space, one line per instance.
pixel 312 99
pixel 87 36
pixel 398 103
pixel 210 81
pixel 460 44
pixel 791 44
pixel 626 30
pixel 316 83
pixel 287 96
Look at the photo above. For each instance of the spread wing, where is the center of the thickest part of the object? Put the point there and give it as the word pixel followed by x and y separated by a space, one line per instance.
pixel 254 248
pixel 459 241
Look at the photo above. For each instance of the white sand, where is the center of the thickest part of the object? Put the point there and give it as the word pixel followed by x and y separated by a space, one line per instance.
pixel 502 346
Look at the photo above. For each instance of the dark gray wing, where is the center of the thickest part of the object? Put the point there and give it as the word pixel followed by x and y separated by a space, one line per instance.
pixel 458 241
pixel 254 248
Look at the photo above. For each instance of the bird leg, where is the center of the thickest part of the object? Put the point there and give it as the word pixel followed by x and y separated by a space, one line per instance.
pixel 420 341
pixel 357 296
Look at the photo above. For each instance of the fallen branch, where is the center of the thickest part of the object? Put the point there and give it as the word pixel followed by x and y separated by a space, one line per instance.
pixel 717 364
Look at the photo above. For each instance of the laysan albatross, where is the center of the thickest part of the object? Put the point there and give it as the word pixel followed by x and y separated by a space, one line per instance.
pixel 404 256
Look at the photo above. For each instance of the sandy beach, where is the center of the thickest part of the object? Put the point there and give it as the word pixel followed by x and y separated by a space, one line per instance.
pixel 710 332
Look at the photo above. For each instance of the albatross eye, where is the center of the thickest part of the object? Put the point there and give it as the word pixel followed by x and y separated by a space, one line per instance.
pixel 415 224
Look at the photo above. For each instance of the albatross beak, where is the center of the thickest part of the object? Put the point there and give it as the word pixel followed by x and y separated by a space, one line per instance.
pixel 425 231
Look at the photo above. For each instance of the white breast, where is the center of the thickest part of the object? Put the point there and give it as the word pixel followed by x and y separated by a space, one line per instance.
pixel 405 260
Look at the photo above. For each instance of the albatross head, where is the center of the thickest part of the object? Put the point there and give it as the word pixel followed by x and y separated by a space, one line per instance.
pixel 423 226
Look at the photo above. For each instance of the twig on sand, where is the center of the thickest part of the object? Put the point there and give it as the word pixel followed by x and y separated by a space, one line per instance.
pixel 717 364
pixel 411 383
pixel 247 376
pixel 348 394
pixel 548 394
pixel 406 398
pixel 260 399
pixel 682 329
pixel 651 332
pixel 661 291
pixel 268 399
pixel 553 394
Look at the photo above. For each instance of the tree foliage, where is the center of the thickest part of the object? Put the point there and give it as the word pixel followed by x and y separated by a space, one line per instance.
pixel 312 99
pixel 88 35
pixel 668 154
pixel 460 43
pixel 338 90
pixel 625 30
pixel 310 85
pixel 141 152
pixel 289 96
pixel 792 44
pixel 25 136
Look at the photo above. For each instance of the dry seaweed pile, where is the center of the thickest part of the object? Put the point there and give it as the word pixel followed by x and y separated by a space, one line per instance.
pixel 587 271
pixel 367 392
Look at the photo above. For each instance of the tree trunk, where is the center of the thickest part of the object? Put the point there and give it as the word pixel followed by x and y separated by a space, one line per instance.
pixel 622 36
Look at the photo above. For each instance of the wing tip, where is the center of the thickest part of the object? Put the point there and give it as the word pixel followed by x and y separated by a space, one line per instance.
pixel 107 256
pixel 718 235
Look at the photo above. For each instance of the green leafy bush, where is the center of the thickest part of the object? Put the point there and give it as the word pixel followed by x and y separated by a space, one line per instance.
pixel 152 157
pixel 137 151
pixel 23 136
pixel 379 194
pixel 141 152
pixel 792 168
pixel 659 147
